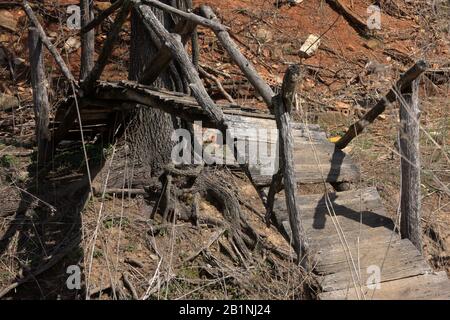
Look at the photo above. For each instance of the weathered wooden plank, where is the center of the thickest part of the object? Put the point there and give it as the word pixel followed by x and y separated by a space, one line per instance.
pixel 354 239
pixel 423 287
pixel 314 155
pixel 353 213
pixel 402 260
pixel 333 260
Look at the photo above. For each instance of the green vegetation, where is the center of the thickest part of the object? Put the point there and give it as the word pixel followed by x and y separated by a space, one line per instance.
pixel 8 161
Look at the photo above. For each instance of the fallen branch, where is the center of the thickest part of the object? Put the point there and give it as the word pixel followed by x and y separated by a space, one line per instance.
pixel 402 84
pixel 102 16
pixel 129 286
pixel 359 25
pixel 218 83
pixel 215 236
pixel 244 64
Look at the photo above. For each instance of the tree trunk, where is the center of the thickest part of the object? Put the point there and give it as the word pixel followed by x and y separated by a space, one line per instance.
pixel 150 130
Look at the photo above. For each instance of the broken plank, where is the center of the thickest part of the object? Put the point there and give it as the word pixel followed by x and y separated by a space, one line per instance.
pixel 423 287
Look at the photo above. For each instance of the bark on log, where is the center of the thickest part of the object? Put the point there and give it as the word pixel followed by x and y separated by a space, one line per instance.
pixel 410 166
pixel 59 60
pixel 40 95
pixel 108 46
pixel 87 39
pixel 403 83
pixel 246 66
pixel 283 119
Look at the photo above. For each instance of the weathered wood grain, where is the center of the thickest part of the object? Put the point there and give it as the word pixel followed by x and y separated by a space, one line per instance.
pixel 423 287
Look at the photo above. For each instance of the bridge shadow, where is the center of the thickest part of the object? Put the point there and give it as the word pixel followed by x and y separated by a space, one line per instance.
pixel 368 218
pixel 44 237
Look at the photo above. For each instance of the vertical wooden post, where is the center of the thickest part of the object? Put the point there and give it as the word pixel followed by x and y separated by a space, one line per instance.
pixel 87 39
pixel 282 105
pixel 40 96
pixel 410 166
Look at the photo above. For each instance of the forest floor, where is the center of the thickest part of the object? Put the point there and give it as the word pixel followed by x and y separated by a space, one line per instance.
pixel 121 250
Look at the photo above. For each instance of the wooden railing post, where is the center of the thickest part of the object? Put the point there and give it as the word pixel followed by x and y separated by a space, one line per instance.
pixel 87 39
pixel 40 96
pixel 410 166
pixel 282 104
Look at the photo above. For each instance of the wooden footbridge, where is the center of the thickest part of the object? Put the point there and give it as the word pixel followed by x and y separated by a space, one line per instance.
pixel 352 236
pixel 355 246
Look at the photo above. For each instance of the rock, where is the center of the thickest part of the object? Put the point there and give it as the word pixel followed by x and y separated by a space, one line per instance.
pixel 52 35
pixel 263 35
pixel 102 5
pixel 8 102
pixel 72 44
pixel 310 46
pixel 8 21
pixel 4 38
pixel 373 44
pixel 374 67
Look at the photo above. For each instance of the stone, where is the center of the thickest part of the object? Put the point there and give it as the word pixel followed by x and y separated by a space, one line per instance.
pixel 309 48
pixel 72 44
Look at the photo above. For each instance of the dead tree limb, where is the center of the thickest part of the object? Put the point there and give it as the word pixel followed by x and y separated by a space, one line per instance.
pixel 403 83
pixel 162 59
pixel 40 95
pixel 244 64
pixel 174 44
pixel 94 75
pixel 101 17
pixel 283 119
pixel 358 24
pixel 410 166
pixel 87 39
pixel 214 237
pixel 59 60
pixel 218 84
pixel 129 285
pixel 214 25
